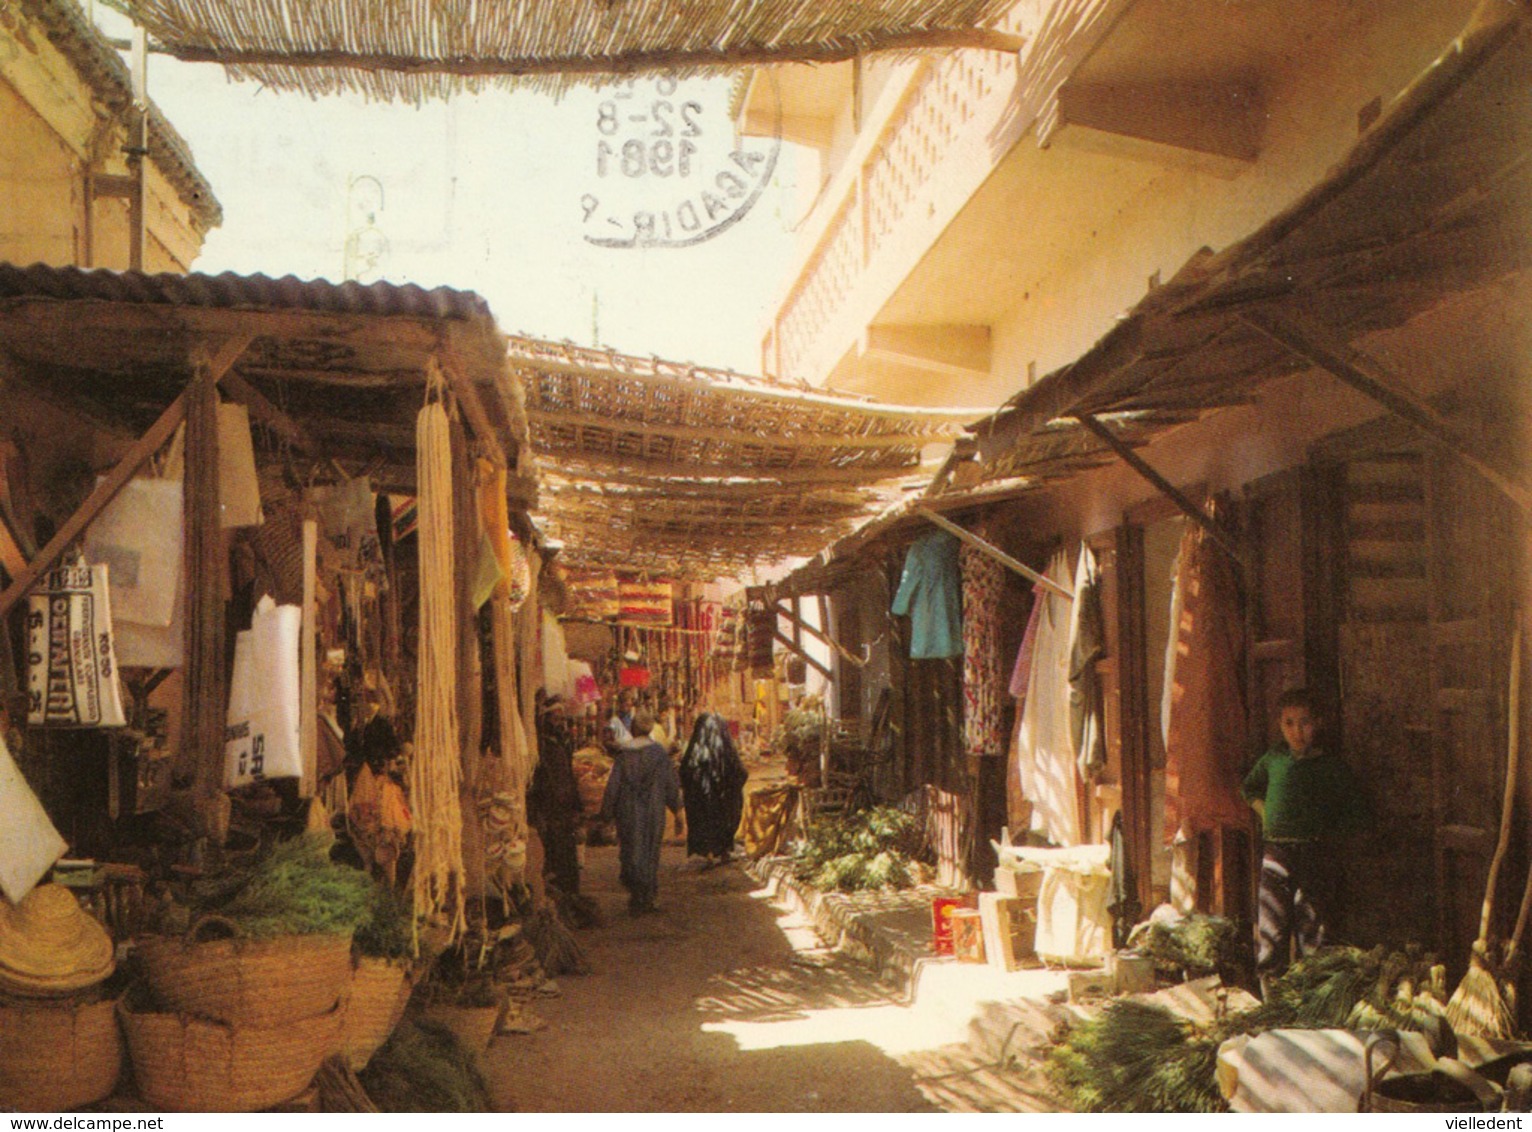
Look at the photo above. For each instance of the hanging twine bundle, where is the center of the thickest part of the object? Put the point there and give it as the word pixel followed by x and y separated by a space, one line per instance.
pixel 434 775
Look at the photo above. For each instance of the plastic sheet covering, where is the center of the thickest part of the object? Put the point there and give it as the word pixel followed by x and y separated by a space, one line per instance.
pixel 239 493
pixel 28 842
pixel 138 537
pixel 262 737
pixel 1073 923
pixel 1304 1070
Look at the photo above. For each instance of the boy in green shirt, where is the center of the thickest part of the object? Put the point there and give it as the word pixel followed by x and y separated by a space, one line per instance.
pixel 1307 799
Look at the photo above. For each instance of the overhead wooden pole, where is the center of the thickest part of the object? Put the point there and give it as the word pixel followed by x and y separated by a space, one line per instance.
pixel 825 638
pixel 1322 347
pixel 788 643
pixel 996 553
pixel 1196 514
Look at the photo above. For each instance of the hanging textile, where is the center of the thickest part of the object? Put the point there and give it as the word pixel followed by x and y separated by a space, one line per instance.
pixel 1045 762
pixel 1087 644
pixel 646 602
pixel 503 781
pixel 983 725
pixel 1021 672
pixel 437 878
pixel 593 594
pixel 1205 753
pixel 930 592
pixel 558 678
pixel 1168 683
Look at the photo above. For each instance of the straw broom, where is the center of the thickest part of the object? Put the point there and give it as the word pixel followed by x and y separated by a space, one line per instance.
pixel 1484 1002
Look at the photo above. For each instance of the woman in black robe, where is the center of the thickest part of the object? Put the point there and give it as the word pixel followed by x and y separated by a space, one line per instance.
pixel 713 788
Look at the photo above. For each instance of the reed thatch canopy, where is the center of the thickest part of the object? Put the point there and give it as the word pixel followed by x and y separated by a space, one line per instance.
pixel 430 48
pixel 697 472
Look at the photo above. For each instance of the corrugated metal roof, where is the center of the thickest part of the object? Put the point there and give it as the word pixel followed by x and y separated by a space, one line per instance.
pixel 231 291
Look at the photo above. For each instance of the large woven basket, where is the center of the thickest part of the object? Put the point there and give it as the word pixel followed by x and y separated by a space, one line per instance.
pixel 185 1064
pixel 57 1055
pixel 380 990
pixel 247 982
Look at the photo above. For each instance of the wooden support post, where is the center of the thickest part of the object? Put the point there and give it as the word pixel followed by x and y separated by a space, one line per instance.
pixel 308 692
pixel 1322 347
pixel 1196 514
pixel 995 552
pixel 786 642
pixel 824 638
pixel 138 149
pixel 205 699
pixel 473 406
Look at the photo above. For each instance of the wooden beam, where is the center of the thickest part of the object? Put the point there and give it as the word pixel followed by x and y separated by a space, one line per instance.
pixel 473 407
pixel 788 644
pixel 1320 346
pixel 106 491
pixel 204 703
pixel 995 552
pixel 266 413
pixel 1196 514
pixel 616 468
pixel 835 50
pixel 799 623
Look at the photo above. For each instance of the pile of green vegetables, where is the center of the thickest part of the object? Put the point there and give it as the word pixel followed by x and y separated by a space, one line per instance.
pixel 1139 1057
pixel 869 849
pixel 292 889
pixel 1196 945
pixel 424 1068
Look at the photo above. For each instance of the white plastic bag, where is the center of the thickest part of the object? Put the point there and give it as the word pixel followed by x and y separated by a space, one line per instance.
pixel 138 537
pixel 71 666
pixel 262 737
pixel 28 842
pixel 1072 920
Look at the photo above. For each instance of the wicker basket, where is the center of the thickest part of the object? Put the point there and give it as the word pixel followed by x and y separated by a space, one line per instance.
pixel 185 1064
pixel 57 1055
pixel 380 990
pixel 473 1026
pixel 247 982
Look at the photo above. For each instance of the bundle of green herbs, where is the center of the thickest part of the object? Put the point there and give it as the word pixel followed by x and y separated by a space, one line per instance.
pixel 866 850
pixel 386 932
pixel 294 889
pixel 1139 1057
pixel 424 1068
pixel 1196 944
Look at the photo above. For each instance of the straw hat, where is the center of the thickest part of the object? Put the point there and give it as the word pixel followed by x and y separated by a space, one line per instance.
pixel 50 945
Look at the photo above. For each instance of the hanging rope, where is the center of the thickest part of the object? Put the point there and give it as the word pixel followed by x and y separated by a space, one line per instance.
pixel 435 775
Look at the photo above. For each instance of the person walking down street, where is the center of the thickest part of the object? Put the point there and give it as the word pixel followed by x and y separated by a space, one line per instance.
pixel 641 787
pixel 619 728
pixel 713 787
pixel 553 800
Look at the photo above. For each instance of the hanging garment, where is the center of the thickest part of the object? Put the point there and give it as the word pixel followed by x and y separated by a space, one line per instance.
pixel 1171 652
pixel 1021 672
pixel 1122 897
pixel 1205 751
pixel 558 680
pixel 1045 762
pixel 713 788
pixel 930 592
pixel 983 725
pixel 1087 644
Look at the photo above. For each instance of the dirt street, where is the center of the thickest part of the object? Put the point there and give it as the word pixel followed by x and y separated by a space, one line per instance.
pixel 719 1002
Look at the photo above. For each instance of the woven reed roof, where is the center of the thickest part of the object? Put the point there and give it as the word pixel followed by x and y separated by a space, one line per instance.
pixel 698 472
pixel 430 48
pixel 1431 203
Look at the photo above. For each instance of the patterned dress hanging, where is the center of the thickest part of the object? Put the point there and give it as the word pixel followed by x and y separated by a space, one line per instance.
pixel 983 731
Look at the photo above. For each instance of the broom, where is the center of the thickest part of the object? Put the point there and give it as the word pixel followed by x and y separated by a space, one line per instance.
pixel 1483 1004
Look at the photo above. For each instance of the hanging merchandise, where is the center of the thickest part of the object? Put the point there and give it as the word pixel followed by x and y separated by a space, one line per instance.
pixel 983 725
pixel 437 878
pixel 404 516
pixel 593 594
pixel 348 517
pixel 29 844
pixel 239 493
pixel 1045 762
pixel 518 582
pixel 586 690
pixel 1021 672
pixel 1172 653
pixel 930 592
pixel 558 677
pixel 647 603
pixel 138 537
pixel 1206 746
pixel 1087 644
pixel 760 630
pixel 262 737
pixel 72 666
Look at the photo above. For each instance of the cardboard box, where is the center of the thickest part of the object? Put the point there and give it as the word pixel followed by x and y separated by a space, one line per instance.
pixel 1022 885
pixel 967 936
pixel 1010 929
